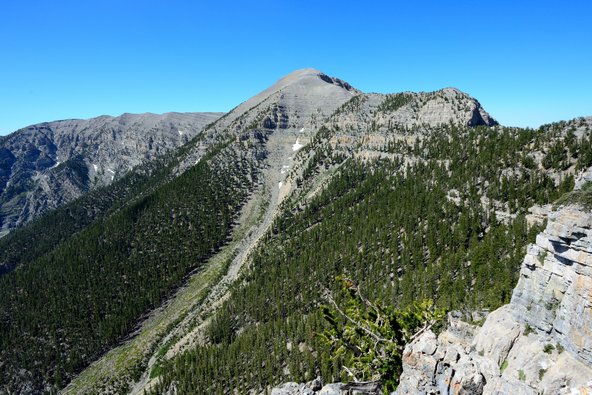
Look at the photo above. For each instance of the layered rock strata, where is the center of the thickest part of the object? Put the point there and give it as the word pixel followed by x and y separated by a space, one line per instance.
pixel 539 343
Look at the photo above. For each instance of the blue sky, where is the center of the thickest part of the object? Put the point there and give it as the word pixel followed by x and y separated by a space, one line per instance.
pixel 527 62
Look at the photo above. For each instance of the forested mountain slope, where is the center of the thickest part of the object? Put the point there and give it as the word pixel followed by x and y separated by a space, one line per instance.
pixel 413 194
pixel 429 210
pixel 449 225
pixel 122 255
pixel 46 165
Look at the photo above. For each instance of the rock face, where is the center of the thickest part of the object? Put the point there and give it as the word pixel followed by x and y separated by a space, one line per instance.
pixel 304 100
pixel 411 110
pixel 554 294
pixel 46 165
pixel 443 106
pixel 291 109
pixel 316 387
pixel 539 343
pixel 374 120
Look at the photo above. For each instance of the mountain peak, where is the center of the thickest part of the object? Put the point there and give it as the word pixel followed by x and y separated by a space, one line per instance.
pixel 309 76
pixel 301 93
pixel 307 71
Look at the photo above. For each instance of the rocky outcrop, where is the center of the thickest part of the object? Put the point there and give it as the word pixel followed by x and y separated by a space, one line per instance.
pixel 410 110
pixel 539 343
pixel 316 387
pixel 584 177
pixel 554 294
pixel 451 105
pixel 46 165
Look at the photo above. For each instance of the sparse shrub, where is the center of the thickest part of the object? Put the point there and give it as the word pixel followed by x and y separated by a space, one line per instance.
pixel 527 330
pixel 394 102
pixel 373 336
pixel 552 305
pixel 582 197
pixel 548 349
pixel 528 162
pixel 155 371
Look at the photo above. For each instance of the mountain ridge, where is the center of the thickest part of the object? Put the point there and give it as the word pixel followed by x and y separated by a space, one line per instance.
pixel 306 179
pixel 92 152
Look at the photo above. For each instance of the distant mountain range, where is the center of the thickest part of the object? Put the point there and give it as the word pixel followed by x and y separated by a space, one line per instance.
pixel 46 165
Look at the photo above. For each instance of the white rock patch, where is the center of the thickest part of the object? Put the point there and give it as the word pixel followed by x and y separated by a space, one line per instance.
pixel 296 146
pixel 113 174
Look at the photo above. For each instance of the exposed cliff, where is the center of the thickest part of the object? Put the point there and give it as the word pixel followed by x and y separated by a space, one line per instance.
pixel 539 343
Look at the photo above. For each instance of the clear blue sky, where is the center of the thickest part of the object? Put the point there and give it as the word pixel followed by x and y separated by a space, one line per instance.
pixel 528 62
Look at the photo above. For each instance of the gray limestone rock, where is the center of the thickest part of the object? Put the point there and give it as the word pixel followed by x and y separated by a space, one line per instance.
pixel 316 384
pixel 292 389
pixel 553 292
pixel 495 341
pixel 331 389
pixel 583 178
pixel 307 389
pixel 552 298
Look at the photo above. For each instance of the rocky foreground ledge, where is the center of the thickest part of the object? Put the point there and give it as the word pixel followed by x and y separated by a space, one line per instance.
pixel 539 343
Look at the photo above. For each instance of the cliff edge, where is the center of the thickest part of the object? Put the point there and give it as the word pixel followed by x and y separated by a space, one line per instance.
pixel 541 342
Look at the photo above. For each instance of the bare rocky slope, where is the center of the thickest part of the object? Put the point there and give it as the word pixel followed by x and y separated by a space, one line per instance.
pixel 46 165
